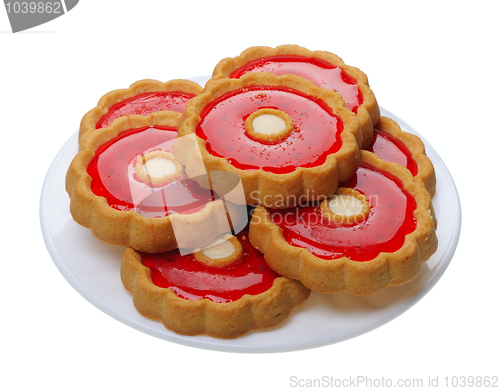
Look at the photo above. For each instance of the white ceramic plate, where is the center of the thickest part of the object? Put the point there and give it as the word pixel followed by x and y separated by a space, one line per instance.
pixel 93 269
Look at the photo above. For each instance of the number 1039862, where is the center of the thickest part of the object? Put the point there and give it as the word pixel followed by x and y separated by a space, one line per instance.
pixel 34 7
pixel 471 381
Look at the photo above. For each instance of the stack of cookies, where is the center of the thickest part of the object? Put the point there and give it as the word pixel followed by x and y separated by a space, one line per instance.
pixel 237 199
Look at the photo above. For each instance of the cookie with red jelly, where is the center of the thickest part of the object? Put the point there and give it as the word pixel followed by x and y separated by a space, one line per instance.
pixel 394 145
pixel 223 290
pixel 142 98
pixel 126 186
pixel 285 137
pixel 323 68
pixel 374 232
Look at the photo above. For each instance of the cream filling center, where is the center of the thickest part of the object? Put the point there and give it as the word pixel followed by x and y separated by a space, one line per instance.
pixel 221 249
pixel 345 205
pixel 159 167
pixel 268 124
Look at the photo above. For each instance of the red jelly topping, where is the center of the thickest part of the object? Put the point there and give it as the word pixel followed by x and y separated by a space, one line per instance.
pixel 393 150
pixel 192 280
pixel 320 72
pixel 145 104
pixel 384 229
pixel 316 134
pixel 112 170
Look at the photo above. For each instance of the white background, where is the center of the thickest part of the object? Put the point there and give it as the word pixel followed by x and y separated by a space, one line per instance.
pixel 434 64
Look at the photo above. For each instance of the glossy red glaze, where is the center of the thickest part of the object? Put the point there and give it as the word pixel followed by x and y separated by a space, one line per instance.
pixel 320 72
pixel 192 280
pixel 316 134
pixel 112 170
pixel 145 104
pixel 384 230
pixel 393 150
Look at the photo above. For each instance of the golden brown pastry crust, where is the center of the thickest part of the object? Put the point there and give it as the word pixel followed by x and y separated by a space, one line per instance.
pixel 200 256
pixel 90 119
pixel 269 138
pixel 266 188
pixel 368 112
pixel 128 228
pixel 343 274
pixel 142 173
pixel 347 219
pixel 426 170
pixel 218 320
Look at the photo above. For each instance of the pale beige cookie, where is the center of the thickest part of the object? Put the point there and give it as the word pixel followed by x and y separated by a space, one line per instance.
pixel 346 205
pixel 128 227
pixel 269 125
pixel 349 269
pixel 368 112
pixel 269 129
pixel 158 168
pixel 221 252
pixel 222 318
